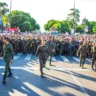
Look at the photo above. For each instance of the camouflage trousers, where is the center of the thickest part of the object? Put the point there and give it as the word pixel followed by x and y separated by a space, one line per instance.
pixel 42 64
pixel 93 62
pixel 7 68
pixel 82 60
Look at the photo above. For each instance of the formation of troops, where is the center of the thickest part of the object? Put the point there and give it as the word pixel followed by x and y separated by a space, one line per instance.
pixel 45 46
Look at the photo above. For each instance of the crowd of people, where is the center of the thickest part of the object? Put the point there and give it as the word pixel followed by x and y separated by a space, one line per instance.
pixel 45 45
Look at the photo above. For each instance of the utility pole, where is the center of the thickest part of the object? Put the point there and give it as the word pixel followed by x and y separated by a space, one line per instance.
pixel 74 17
pixel 10 12
pixel 73 21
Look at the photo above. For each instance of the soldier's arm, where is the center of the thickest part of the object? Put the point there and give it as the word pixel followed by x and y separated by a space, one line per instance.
pixel 1 54
pixel 79 51
pixel 37 52
pixel 12 52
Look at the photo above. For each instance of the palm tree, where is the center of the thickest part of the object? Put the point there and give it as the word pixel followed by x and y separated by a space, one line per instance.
pixel 3 8
pixel 74 16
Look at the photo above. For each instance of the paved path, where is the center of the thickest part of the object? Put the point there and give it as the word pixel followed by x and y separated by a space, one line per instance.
pixel 64 78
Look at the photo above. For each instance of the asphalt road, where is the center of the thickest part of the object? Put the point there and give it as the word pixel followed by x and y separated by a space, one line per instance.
pixel 64 78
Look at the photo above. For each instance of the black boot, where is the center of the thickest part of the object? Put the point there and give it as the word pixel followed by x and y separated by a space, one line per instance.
pixel 9 75
pixel 41 70
pixel 50 63
pixel 82 66
pixel 4 82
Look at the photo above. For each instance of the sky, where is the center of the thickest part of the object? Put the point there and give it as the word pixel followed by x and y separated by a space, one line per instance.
pixel 44 10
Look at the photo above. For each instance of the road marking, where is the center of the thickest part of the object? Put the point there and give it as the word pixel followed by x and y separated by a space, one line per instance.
pixel 19 54
pixel 28 57
pixel 76 59
pixel 72 69
pixel 88 60
pixel 62 69
pixel 79 84
pixel 16 57
pixel 64 59
pixel 36 89
pixel 1 58
pixel 54 59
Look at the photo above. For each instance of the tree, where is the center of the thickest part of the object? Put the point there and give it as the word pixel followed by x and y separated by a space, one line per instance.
pixel 3 11
pixel 61 26
pixel 46 27
pixel 65 26
pixel 85 22
pixel 20 18
pixel 94 28
pixel 26 26
pixel 37 26
pixel 3 8
pixel 5 20
pixel 74 16
pixel 91 25
pixel 80 29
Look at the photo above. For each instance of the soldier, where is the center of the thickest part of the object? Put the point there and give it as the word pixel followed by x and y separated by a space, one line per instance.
pixel 82 52
pixel 42 51
pixel 33 45
pixel 51 47
pixel 62 46
pixel 93 57
pixel 8 57
pixel 72 47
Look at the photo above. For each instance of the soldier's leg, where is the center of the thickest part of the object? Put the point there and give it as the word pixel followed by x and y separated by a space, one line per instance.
pixel 95 65
pixel 45 60
pixel 50 60
pixel 41 67
pixel 61 50
pixel 80 61
pixel 5 72
pixel 10 73
pixel 92 63
pixel 83 61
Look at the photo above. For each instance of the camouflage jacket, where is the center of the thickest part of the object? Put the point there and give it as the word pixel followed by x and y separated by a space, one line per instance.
pixel 8 52
pixel 42 51
pixel 51 46
pixel 83 50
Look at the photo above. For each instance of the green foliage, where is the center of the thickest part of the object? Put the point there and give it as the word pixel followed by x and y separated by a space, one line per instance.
pixel 3 11
pixel 61 26
pixel 3 8
pixel 22 19
pixel 74 17
pixel 79 28
pixel 26 26
pixel 94 28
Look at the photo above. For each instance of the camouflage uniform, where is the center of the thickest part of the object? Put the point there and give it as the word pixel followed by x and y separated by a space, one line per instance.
pixel 8 55
pixel 93 57
pixel 42 51
pixel 83 54
pixel 51 47
pixel 72 47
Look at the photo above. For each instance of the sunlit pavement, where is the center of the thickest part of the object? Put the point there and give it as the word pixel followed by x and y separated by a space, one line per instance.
pixel 64 78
